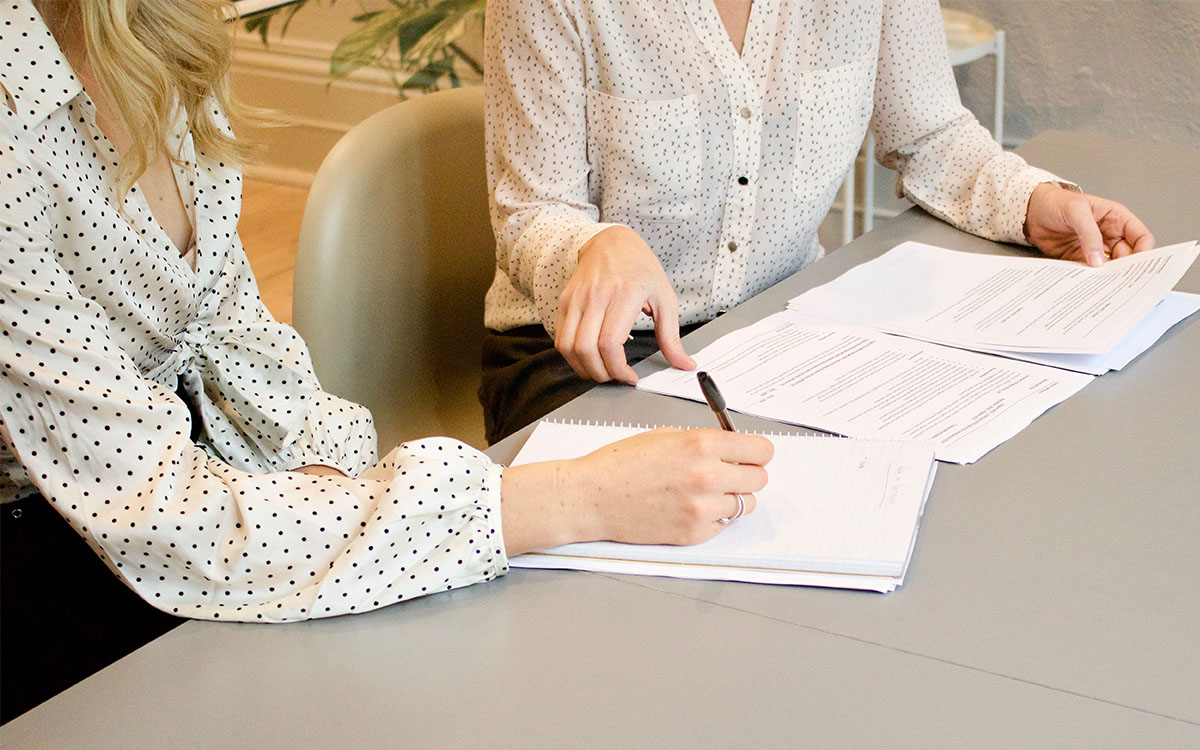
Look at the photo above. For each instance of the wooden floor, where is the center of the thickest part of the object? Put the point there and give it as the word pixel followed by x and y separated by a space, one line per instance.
pixel 270 229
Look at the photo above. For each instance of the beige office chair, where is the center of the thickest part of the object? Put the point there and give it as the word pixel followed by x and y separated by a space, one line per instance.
pixel 395 254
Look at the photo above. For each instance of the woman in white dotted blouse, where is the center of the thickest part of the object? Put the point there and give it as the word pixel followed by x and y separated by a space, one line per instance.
pixel 150 398
pixel 655 162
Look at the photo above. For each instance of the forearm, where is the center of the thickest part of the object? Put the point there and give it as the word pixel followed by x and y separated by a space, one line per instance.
pixel 541 510
pixel 537 162
pixel 948 163
pixel 660 487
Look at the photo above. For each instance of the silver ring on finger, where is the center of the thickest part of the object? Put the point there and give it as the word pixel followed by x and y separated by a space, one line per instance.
pixel 741 510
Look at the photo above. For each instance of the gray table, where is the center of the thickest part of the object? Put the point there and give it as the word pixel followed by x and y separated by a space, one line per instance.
pixel 1051 601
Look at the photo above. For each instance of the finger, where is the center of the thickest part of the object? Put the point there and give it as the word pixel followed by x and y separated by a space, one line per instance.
pixel 737 477
pixel 665 311
pixel 1119 224
pixel 587 344
pixel 736 447
pixel 1144 242
pixel 730 502
pixel 1083 223
pixel 618 322
pixel 564 337
pixel 1121 249
pixel 1137 234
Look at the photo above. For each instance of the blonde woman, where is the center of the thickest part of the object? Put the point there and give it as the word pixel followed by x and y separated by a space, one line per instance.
pixel 149 399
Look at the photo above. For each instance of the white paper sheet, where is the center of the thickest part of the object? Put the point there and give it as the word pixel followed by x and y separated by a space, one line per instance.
pixel 858 382
pixel 835 512
pixel 1175 307
pixel 989 302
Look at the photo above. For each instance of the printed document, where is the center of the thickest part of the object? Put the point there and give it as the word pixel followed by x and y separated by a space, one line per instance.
pixel 990 302
pixel 862 383
pixel 1175 307
pixel 835 512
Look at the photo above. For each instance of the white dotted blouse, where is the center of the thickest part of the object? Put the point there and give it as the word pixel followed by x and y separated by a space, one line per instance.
pixel 102 321
pixel 642 113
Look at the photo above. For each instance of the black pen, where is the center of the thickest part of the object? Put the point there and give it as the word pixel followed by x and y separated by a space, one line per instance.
pixel 715 400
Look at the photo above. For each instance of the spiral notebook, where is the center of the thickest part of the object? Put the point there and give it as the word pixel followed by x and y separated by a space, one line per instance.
pixel 836 512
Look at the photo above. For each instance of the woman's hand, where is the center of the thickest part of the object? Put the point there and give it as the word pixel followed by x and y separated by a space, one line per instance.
pixel 617 277
pixel 320 470
pixel 666 486
pixel 1077 226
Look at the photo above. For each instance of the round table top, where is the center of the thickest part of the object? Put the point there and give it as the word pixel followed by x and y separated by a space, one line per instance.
pixel 968 36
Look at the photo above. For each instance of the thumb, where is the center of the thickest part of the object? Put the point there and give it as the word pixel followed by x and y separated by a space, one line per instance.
pixel 1083 223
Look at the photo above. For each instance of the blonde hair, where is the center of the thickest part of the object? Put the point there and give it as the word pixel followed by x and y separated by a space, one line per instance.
pixel 145 53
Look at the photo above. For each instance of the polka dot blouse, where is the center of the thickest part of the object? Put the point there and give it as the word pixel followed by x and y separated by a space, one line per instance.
pixel 642 113
pixel 102 322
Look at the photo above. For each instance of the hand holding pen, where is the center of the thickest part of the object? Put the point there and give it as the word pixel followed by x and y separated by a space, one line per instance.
pixel 716 402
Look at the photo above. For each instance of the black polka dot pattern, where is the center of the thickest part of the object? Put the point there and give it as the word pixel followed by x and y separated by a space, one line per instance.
pixel 642 113
pixel 102 321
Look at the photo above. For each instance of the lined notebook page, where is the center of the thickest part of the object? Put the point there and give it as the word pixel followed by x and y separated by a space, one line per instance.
pixel 831 505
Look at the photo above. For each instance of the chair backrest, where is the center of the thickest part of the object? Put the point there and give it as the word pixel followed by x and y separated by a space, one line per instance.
pixel 396 252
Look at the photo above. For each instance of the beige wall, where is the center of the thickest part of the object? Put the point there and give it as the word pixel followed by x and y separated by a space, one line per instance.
pixel 290 75
pixel 1128 68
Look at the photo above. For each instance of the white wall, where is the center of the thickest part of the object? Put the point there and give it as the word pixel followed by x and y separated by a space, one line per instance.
pixel 1126 68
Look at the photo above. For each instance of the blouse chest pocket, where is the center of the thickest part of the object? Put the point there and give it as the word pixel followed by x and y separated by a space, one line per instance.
pixel 645 157
pixel 832 114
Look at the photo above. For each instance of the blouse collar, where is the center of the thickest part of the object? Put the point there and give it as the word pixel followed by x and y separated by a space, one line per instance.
pixel 35 71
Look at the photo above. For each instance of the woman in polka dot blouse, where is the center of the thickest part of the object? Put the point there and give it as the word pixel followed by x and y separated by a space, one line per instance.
pixel 655 162
pixel 150 398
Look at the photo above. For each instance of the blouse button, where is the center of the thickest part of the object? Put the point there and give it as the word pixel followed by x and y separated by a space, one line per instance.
pixel 743 181
pixel 732 246
pixel 745 113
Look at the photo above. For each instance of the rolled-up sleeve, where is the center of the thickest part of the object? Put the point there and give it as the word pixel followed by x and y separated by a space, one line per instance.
pixel 537 160
pixel 948 163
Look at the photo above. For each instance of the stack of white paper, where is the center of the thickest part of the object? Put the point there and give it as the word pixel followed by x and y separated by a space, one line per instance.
pixel 835 512
pixel 885 350
pixel 1087 319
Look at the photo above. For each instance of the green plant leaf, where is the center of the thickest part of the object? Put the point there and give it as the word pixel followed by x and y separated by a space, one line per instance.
pixel 413 31
pixel 425 33
pixel 427 77
pixel 259 23
pixel 368 43
pixel 454 20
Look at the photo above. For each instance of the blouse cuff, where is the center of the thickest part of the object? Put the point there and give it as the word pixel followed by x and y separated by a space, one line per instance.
pixel 317 459
pixel 555 270
pixel 335 433
pixel 484 503
pixel 491 501
pixel 586 233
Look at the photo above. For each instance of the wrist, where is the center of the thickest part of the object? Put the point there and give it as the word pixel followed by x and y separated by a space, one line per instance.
pixel 542 507
pixel 320 470
pixel 606 239
pixel 1041 192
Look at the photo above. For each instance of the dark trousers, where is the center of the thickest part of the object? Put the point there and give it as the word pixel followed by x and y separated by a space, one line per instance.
pixel 525 378
pixel 64 615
